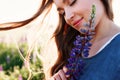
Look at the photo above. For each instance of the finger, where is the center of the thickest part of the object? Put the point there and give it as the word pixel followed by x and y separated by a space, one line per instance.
pixel 62 75
pixel 65 70
pixel 57 76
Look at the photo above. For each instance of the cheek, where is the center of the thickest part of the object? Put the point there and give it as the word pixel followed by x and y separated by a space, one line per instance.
pixel 86 15
pixel 84 11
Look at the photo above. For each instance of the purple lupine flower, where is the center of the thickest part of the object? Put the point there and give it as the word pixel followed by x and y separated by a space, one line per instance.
pixel 81 48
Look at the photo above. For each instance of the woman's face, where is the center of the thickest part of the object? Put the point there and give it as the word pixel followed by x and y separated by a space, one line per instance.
pixel 77 12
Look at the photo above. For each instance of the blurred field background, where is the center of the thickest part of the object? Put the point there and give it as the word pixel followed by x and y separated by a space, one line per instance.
pixel 34 36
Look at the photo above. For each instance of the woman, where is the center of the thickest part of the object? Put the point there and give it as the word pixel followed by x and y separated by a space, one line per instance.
pixel 103 52
pixel 102 63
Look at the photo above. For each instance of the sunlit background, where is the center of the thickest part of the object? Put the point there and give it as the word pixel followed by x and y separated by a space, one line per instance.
pixel 16 10
pixel 34 34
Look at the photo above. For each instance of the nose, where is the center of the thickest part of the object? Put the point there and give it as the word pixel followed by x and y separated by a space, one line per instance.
pixel 69 14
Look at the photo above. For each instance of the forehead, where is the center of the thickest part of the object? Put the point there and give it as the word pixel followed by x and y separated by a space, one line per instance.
pixel 60 2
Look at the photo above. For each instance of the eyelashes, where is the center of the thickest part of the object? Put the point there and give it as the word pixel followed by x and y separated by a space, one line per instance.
pixel 72 2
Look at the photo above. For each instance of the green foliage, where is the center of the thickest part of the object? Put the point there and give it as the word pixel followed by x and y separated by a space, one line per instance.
pixel 13 65
pixel 9 57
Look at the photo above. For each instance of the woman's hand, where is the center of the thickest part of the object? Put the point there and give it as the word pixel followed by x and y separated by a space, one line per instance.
pixel 60 75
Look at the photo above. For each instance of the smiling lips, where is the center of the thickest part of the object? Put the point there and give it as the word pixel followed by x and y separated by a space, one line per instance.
pixel 77 22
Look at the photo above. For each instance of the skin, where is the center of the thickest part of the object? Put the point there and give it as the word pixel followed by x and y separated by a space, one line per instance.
pixel 80 9
pixel 104 27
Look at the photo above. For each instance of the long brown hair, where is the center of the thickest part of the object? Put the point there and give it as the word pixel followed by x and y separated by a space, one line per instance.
pixel 63 36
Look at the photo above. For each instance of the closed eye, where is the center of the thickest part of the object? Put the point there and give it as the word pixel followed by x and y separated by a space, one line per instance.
pixel 72 2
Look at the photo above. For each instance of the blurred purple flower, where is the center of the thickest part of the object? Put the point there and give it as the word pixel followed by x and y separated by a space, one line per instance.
pixel 20 77
pixel 1 68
